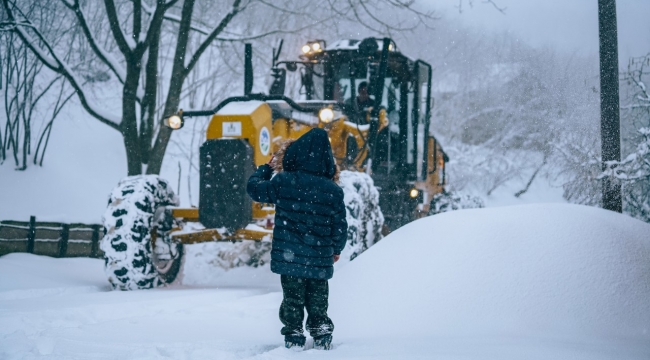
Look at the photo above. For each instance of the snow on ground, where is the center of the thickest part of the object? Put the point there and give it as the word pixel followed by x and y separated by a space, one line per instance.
pixel 85 160
pixel 523 282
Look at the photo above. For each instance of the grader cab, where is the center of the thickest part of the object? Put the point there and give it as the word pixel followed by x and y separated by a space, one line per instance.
pixel 389 140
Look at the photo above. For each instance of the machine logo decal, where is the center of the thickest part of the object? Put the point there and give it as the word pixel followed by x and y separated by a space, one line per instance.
pixel 265 141
pixel 231 128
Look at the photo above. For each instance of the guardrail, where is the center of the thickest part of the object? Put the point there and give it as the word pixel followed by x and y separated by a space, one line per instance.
pixel 51 238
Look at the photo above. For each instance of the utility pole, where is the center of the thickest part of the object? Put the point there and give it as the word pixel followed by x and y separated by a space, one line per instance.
pixel 610 126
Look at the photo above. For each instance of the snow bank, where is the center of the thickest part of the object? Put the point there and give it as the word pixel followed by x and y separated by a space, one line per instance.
pixel 525 282
pixel 85 159
pixel 552 271
pixel 24 275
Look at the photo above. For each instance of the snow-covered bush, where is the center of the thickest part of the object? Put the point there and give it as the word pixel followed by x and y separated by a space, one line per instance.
pixel 580 153
pixel 450 201
pixel 364 217
pixel 634 175
pixel 481 169
pixel 579 166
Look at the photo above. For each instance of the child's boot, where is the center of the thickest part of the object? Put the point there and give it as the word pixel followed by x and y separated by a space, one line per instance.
pixel 323 342
pixel 294 342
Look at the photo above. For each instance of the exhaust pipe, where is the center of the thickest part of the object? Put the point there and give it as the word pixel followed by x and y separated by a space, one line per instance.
pixel 248 69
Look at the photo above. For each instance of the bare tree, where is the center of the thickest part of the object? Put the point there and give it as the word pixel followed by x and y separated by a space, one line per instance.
pixel 26 86
pixel 130 38
pixel 471 3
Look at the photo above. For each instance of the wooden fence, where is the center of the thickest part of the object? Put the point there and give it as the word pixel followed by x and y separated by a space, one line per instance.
pixel 50 238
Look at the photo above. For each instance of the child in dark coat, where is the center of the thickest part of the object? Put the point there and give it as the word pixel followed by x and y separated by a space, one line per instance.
pixel 310 231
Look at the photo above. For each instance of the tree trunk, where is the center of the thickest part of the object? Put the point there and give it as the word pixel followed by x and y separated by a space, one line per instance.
pixel 129 125
pixel 179 73
pixel 164 134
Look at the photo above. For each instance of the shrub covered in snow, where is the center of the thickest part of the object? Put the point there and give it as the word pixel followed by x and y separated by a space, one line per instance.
pixel 452 200
pixel 634 174
pixel 364 217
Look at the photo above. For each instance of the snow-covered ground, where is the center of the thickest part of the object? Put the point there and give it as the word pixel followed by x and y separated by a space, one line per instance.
pixel 84 161
pixel 544 281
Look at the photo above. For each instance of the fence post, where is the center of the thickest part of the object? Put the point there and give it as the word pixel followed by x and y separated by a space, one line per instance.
pixel 63 241
pixel 94 248
pixel 31 235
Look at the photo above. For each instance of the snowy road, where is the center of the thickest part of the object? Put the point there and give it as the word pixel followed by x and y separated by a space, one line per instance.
pixel 450 300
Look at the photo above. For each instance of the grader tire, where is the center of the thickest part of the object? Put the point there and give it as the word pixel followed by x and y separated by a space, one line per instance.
pixel 130 263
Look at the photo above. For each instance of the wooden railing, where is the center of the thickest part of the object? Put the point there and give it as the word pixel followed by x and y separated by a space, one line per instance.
pixel 50 238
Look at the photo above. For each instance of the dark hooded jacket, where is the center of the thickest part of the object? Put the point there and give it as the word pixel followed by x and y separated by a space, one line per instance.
pixel 310 225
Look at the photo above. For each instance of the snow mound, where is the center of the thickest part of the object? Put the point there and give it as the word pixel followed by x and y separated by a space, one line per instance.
pixel 552 271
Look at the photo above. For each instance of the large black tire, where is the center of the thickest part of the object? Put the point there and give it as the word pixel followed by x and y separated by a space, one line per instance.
pixel 129 218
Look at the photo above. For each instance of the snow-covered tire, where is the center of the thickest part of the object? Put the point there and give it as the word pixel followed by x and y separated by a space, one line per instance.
pixel 128 220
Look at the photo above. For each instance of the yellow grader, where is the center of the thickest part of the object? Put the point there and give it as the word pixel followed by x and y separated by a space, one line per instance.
pixel 388 140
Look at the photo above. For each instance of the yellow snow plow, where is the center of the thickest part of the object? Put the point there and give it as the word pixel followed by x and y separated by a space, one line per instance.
pixel 374 102
pixel 389 140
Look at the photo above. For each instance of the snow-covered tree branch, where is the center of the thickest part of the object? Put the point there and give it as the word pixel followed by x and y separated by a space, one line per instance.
pixel 52 60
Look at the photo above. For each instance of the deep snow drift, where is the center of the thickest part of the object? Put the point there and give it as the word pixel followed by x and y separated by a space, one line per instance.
pixel 521 282
pixel 563 271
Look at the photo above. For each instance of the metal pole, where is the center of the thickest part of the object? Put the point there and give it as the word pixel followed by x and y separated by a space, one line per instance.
pixel 609 102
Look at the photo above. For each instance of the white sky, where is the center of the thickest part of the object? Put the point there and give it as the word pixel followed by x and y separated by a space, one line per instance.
pixel 567 25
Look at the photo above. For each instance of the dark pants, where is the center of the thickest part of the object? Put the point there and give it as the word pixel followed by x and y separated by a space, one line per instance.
pixel 300 293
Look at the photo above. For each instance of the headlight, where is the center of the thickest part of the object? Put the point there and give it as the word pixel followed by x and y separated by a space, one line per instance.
pixel 306 49
pixel 326 115
pixel 174 122
pixel 414 193
pixel 315 46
